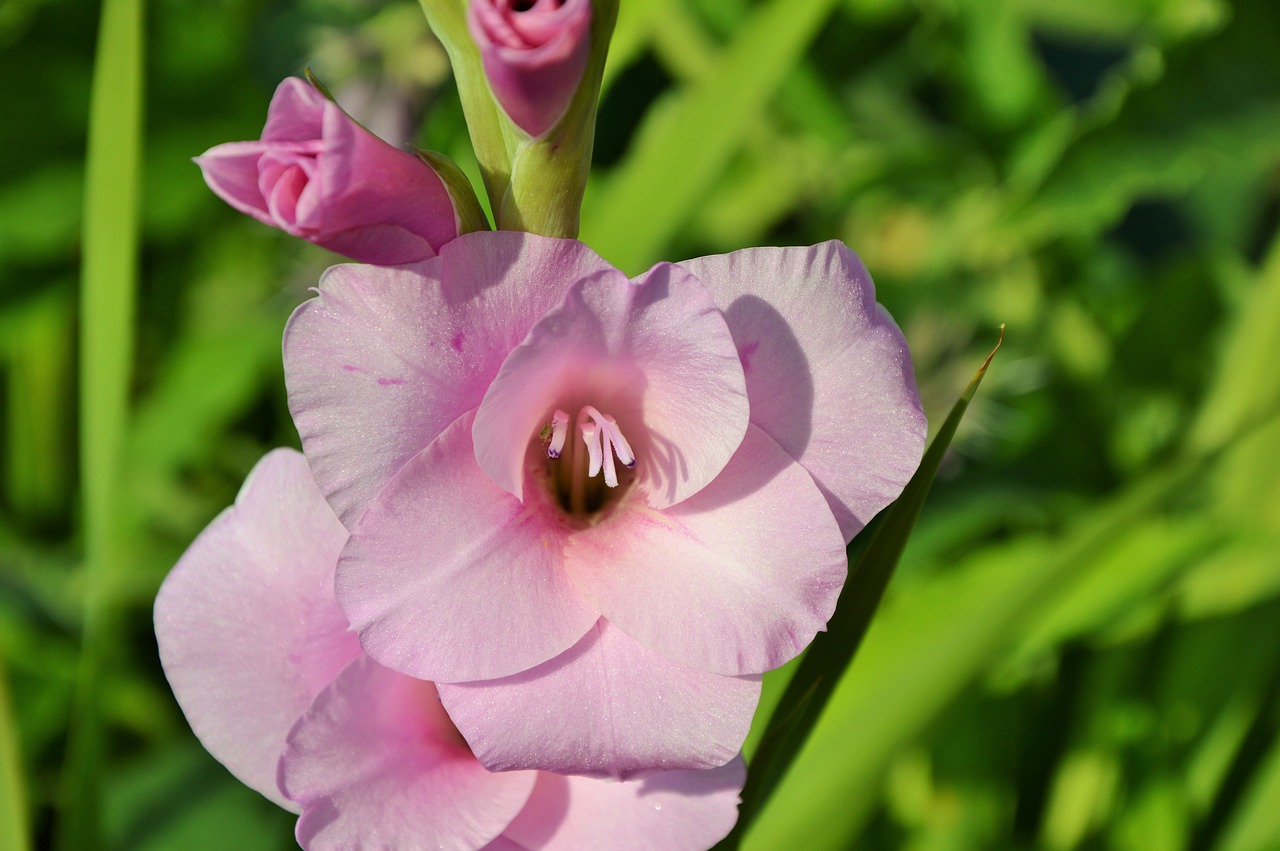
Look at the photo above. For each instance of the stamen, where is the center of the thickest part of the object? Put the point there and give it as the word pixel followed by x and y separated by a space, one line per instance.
pixel 559 430
pixel 620 445
pixel 604 442
pixel 591 435
pixel 603 435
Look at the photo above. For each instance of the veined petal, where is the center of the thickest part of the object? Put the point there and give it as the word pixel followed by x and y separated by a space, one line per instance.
pixel 607 707
pixel 448 577
pixel 375 764
pixel 654 353
pixel 383 359
pixel 248 629
pixel 737 579
pixel 827 370
pixel 671 810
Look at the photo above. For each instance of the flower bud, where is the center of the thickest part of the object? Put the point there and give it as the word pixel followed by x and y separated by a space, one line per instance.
pixel 317 174
pixel 534 54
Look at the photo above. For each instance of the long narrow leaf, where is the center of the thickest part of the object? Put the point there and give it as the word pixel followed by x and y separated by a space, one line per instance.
pixel 13 797
pixel 873 556
pixel 108 283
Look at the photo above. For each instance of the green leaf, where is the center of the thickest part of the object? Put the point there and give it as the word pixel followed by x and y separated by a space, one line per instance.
pixel 873 556
pixel 13 797
pixel 108 287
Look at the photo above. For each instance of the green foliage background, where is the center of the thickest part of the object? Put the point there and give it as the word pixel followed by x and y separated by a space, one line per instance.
pixel 1082 646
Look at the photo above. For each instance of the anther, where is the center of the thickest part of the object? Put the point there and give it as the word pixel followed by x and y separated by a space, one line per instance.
pixel 559 430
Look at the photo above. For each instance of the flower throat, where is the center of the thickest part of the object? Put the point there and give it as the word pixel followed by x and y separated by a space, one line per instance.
pixel 574 465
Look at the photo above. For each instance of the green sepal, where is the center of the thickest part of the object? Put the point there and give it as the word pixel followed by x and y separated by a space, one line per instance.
pixel 466 206
pixel 448 21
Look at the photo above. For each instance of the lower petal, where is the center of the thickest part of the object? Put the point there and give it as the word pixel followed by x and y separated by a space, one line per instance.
pixel 375 764
pixel 247 624
pixel 448 577
pixel 737 579
pixel 671 810
pixel 607 707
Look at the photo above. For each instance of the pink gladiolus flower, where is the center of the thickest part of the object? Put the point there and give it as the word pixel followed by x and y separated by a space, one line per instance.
pixel 595 510
pixel 534 55
pixel 317 174
pixel 277 689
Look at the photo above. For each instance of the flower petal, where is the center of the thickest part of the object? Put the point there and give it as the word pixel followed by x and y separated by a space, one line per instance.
pixel 736 579
pixel 828 371
pixel 247 624
pixel 655 349
pixel 296 113
pixel 448 577
pixel 608 707
pixel 375 202
pixel 384 359
pixel 231 171
pixel 376 764
pixel 671 810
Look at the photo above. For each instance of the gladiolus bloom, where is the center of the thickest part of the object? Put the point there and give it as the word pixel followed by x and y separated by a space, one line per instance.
pixel 534 55
pixel 319 175
pixel 595 510
pixel 278 690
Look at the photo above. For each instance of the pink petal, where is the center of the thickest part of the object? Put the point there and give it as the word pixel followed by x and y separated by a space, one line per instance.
pixel 296 112
pixel 655 351
pixel 447 577
pixel 608 707
pixel 671 810
pixel 364 183
pixel 737 579
pixel 384 359
pixel 231 171
pixel 534 60
pixel 376 764
pixel 247 624
pixel 828 371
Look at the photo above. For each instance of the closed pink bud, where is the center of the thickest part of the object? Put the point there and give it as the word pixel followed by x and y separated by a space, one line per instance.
pixel 319 175
pixel 534 54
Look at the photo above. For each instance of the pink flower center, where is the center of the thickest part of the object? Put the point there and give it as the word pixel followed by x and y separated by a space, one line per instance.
pixel 601 442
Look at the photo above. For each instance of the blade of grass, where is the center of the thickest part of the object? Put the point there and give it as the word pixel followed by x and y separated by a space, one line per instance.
pixel 873 555
pixel 13 797
pixel 108 282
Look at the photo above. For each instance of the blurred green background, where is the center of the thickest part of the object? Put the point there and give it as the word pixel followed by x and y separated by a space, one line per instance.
pixel 1081 649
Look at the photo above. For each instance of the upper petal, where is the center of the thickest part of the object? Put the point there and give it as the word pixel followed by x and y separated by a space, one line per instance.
pixel 654 353
pixel 376 764
pixel 247 624
pixel 737 579
pixel 296 113
pixel 383 359
pixel 448 577
pixel 607 706
pixel 828 371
